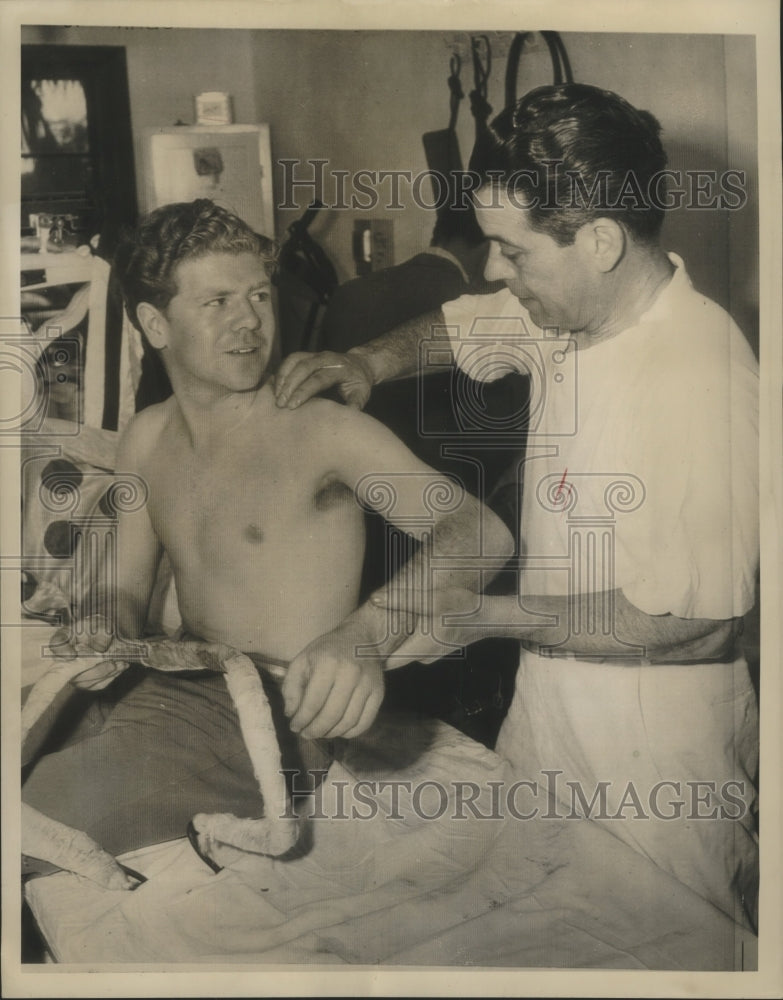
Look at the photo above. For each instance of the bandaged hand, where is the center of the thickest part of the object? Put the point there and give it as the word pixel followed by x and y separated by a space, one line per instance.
pixel 331 689
pixel 91 638
pixel 441 617
pixel 303 375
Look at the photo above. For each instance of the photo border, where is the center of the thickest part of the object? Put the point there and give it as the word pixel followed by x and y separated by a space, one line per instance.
pixel 757 17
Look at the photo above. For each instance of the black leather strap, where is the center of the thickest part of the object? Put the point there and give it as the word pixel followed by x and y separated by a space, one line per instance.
pixel 561 66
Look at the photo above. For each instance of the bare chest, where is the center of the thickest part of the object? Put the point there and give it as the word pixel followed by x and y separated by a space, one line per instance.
pixel 239 499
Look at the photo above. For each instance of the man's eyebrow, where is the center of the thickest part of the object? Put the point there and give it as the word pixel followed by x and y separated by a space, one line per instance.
pixel 216 292
pixel 495 237
pixel 500 239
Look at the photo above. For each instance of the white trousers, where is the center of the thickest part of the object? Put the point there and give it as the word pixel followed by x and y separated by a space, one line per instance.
pixel 664 756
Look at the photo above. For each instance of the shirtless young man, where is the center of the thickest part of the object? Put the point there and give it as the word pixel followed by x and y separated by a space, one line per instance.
pixel 256 508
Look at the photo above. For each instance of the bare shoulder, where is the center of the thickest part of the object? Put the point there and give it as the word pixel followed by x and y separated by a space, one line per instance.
pixel 336 418
pixel 143 433
pixel 315 420
pixel 354 444
pixel 343 430
pixel 330 437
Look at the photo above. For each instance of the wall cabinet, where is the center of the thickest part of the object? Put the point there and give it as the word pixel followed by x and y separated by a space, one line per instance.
pixel 230 164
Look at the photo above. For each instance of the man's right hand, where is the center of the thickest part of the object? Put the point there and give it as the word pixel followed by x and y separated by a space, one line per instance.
pixel 331 689
pixel 303 375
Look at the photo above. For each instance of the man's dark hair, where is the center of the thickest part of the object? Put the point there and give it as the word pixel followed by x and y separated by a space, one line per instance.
pixel 146 258
pixel 572 153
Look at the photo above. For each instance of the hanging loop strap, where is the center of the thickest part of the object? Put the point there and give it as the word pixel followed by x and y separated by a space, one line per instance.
pixel 561 67
pixel 455 89
pixel 560 63
pixel 482 65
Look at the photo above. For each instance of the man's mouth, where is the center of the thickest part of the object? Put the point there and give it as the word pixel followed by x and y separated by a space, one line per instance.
pixel 243 350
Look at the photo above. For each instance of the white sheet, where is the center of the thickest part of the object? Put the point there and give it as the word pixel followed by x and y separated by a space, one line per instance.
pixel 515 893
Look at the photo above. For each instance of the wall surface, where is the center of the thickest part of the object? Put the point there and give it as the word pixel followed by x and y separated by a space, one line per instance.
pixel 361 100
pixel 702 90
pixel 378 92
pixel 167 67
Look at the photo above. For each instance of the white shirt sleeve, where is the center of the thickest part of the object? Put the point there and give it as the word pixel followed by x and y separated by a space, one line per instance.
pixel 485 332
pixel 691 549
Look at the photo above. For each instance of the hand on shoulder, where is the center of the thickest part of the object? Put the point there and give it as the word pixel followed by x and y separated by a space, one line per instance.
pixel 303 375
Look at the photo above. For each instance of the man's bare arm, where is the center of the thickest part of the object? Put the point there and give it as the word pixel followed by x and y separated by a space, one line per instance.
pixel 593 625
pixel 456 530
pixel 334 687
pixel 138 547
pixel 117 605
pixel 396 353
pixel 598 625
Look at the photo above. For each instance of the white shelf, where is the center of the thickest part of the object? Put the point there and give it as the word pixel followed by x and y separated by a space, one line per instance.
pixel 59 268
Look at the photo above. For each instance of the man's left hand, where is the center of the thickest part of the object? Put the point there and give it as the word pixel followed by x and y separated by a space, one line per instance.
pixel 330 690
pixel 95 639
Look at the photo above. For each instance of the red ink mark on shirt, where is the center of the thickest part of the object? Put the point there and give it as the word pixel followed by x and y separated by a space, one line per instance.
pixel 559 490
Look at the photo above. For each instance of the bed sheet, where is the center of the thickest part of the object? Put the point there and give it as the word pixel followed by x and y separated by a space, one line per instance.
pixel 397 889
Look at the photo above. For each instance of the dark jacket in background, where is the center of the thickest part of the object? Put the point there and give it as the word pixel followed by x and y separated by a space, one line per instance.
pixel 472 691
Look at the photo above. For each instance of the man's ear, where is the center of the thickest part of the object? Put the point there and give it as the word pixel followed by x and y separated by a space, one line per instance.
pixel 154 324
pixel 604 240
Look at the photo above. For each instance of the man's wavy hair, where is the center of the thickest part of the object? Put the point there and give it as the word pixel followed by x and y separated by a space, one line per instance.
pixel 592 133
pixel 146 258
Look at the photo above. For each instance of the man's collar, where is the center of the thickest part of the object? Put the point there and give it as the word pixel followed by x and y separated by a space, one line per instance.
pixel 674 287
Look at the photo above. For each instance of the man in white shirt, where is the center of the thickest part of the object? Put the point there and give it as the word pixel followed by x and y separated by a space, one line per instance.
pixel 640 509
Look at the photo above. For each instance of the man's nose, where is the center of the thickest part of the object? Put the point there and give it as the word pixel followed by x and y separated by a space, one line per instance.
pixel 246 316
pixel 498 267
